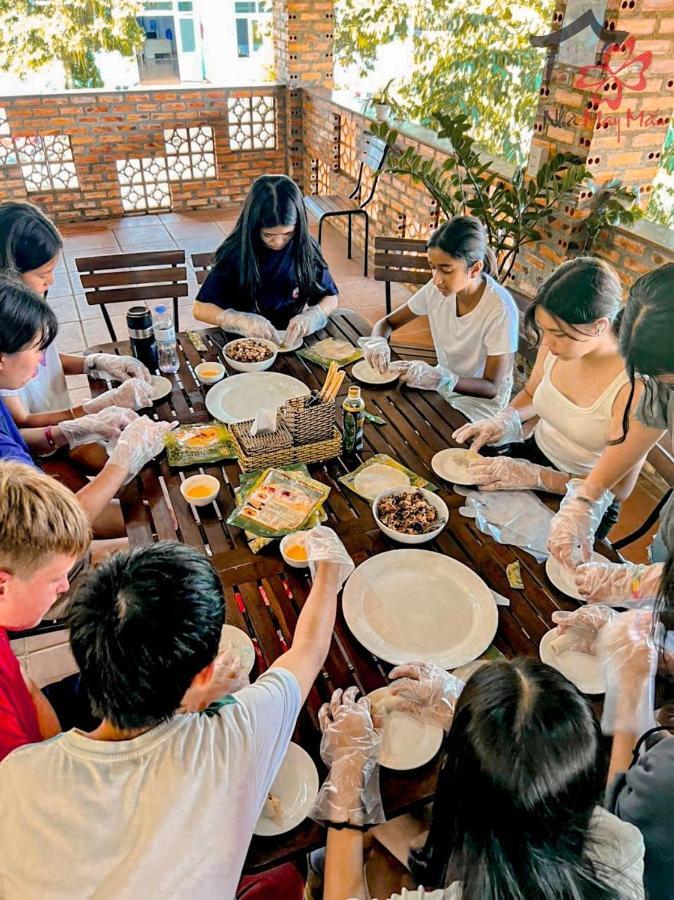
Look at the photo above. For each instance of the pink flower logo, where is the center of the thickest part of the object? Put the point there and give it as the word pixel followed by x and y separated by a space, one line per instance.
pixel 618 70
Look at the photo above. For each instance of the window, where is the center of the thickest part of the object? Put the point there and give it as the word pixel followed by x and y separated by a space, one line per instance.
pixel 242 42
pixel 187 35
pixel 185 6
pixel 249 18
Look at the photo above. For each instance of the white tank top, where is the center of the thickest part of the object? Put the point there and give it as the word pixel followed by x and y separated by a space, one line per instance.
pixel 573 437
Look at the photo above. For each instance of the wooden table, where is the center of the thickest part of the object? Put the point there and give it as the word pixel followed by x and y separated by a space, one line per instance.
pixel 264 597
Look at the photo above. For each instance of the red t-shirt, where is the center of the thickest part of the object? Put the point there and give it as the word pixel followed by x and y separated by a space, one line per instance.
pixel 18 718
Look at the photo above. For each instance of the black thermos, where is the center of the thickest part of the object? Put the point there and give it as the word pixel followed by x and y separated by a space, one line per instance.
pixel 143 344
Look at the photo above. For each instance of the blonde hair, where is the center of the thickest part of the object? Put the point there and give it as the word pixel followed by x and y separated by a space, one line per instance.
pixel 38 518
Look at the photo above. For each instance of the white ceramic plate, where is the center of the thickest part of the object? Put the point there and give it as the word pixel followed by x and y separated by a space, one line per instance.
pixel 241 397
pixel 161 387
pixel 364 372
pixel 450 464
pixel 564 578
pixel 296 346
pixel 415 604
pixel 296 786
pixel 406 742
pixel 377 478
pixel 232 638
pixel 583 669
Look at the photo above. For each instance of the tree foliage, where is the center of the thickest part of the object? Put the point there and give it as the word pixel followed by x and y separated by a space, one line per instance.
pixel 33 33
pixel 661 205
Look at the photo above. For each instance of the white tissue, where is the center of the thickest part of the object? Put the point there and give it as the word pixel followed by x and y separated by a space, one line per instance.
pixel 265 422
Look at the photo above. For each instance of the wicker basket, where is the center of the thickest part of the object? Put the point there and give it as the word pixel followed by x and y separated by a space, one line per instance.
pixel 309 424
pixel 319 450
pixel 262 450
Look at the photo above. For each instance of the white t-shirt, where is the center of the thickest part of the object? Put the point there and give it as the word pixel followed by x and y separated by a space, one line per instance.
pixel 463 343
pixel 167 814
pixel 47 392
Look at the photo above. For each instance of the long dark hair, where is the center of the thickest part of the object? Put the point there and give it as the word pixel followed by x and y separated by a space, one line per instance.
pixel 465 238
pixel 24 316
pixel 648 324
pixel 28 239
pixel 520 779
pixel 273 200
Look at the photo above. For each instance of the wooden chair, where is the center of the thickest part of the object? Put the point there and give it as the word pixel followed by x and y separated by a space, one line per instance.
pixel 372 154
pixel 125 277
pixel 402 260
pixel 202 263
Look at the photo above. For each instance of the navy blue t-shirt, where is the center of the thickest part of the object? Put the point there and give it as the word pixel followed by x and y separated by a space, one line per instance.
pixel 12 445
pixel 279 298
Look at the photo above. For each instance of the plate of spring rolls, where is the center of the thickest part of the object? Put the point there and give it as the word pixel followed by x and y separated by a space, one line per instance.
pixel 582 669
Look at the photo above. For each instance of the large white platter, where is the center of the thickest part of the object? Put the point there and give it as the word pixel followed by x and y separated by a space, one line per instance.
pixel 565 578
pixel 406 742
pixel 241 397
pixel 296 786
pixel 413 604
pixel 583 669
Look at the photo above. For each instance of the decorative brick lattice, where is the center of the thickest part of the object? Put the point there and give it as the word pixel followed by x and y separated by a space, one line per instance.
pixel 46 162
pixel 144 184
pixel 252 122
pixel 190 153
pixel 7 151
pixel 348 150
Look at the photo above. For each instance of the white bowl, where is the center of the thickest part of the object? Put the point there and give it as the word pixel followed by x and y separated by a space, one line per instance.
pixel 216 367
pixel 432 498
pixel 207 481
pixel 297 537
pixel 251 367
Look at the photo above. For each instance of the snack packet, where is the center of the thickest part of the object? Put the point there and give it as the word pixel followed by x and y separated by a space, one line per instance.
pixel 278 503
pixel 192 445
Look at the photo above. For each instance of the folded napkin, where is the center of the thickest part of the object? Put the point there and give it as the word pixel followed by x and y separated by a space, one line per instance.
pixel 518 518
pixel 265 422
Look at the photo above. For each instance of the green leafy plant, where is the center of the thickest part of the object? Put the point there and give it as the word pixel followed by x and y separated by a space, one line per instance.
pixel 612 205
pixel 384 97
pixel 661 205
pixel 512 212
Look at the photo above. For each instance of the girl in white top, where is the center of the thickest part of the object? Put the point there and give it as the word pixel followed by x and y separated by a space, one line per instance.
pixel 473 321
pixel 578 390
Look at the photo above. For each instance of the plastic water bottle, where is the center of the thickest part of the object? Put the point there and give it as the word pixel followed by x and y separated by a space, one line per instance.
pixel 165 335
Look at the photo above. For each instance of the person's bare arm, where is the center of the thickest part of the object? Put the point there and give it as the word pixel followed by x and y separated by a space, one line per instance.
pixel 344 875
pixel 206 312
pixel 26 419
pixel 399 317
pixel 313 631
pixel 329 304
pixel 95 496
pixel 622 749
pixel 72 365
pixel 47 719
pixel 624 487
pixel 496 370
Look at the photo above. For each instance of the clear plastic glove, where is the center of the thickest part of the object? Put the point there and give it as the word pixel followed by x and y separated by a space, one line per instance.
pixel 377 352
pixel 132 394
pixel 139 443
pixel 504 474
pixel 628 650
pixel 350 748
pixel 248 324
pixel 424 377
pixel 506 428
pixel 323 545
pixel 307 322
pixel 623 584
pixel 583 626
pixel 511 517
pixel 228 677
pixel 106 425
pixel 572 529
pixel 426 692
pixel 116 368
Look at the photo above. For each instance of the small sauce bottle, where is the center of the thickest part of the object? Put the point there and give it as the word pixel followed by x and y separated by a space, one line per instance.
pixel 353 419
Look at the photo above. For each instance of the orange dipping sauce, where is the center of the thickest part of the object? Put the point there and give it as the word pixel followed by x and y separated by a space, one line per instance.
pixel 198 492
pixel 297 552
pixel 209 373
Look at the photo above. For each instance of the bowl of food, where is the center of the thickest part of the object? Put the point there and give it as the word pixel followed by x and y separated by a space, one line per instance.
pixel 200 490
pixel 294 551
pixel 250 354
pixel 410 515
pixel 210 372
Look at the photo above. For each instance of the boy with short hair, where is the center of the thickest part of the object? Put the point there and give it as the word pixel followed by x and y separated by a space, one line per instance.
pixel 43 532
pixel 150 803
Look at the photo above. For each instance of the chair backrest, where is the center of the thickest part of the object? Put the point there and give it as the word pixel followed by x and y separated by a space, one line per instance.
pixel 401 259
pixel 202 264
pixel 371 151
pixel 126 277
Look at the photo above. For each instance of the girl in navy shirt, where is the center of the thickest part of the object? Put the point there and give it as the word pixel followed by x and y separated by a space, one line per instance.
pixel 269 273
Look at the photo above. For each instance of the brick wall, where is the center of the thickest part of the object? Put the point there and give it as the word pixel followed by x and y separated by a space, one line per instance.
pixel 104 128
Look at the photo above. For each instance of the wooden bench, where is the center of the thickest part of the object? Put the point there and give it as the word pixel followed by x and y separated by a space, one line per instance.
pixel 202 263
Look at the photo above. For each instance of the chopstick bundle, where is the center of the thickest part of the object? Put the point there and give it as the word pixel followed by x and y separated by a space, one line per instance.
pixel 333 382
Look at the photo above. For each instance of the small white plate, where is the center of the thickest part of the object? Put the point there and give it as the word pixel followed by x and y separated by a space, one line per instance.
pixel 232 638
pixel 161 387
pixel 364 372
pixel 296 786
pixel 583 669
pixel 564 578
pixel 450 464
pixel 282 347
pixel 406 742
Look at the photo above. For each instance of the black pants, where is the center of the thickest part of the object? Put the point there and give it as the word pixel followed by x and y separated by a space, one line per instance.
pixel 71 704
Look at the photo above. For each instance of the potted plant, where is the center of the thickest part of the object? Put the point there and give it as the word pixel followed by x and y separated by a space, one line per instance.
pixel 511 212
pixel 384 103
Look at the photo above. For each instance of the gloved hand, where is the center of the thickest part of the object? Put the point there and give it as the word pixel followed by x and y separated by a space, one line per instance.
pixel 426 692
pixel 117 368
pixel 377 352
pixel 424 377
pixel 101 426
pixel 623 584
pixel 501 473
pixel 323 545
pixel 307 322
pixel 583 626
pixel 350 748
pixel 628 650
pixel 506 427
pixel 132 394
pixel 572 529
pixel 139 443
pixel 248 324
pixel 228 677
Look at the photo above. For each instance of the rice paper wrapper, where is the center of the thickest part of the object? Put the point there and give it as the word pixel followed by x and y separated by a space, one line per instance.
pixel 379 473
pixel 331 350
